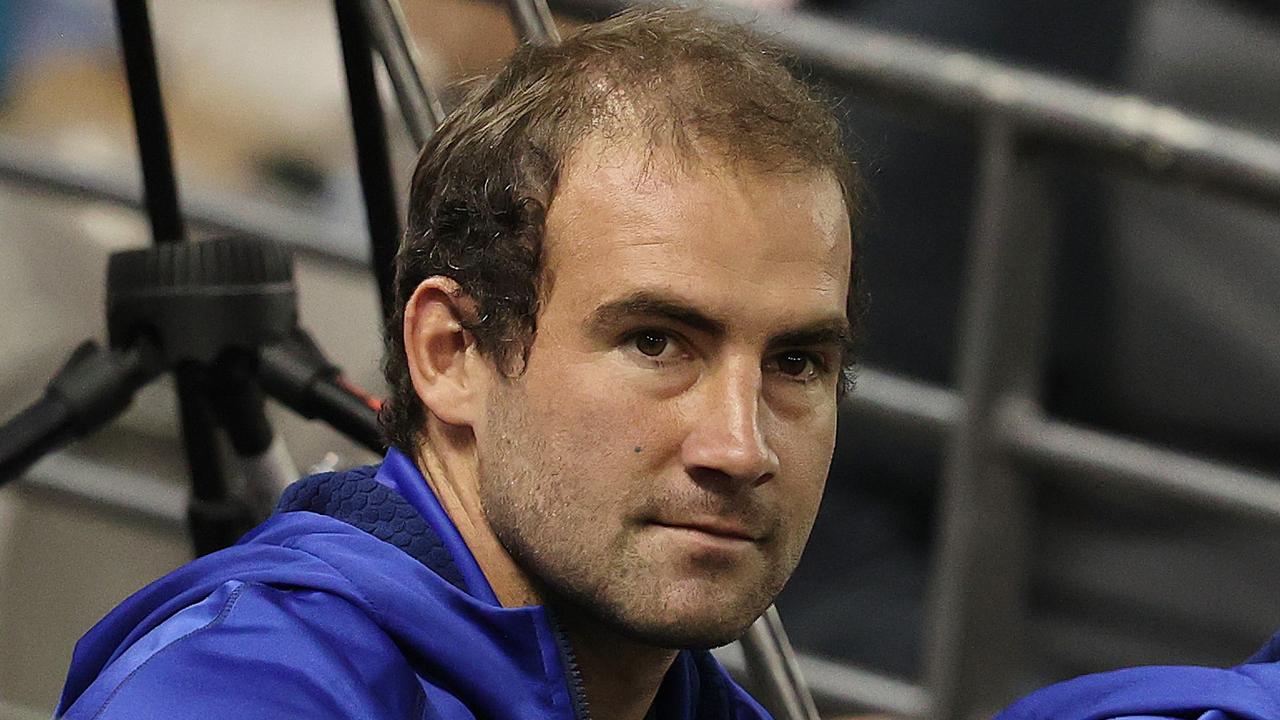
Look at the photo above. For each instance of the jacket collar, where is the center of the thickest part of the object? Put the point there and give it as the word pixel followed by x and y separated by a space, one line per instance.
pixel 393 503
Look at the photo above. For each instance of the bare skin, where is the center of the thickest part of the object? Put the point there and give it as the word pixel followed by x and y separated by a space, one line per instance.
pixel 652 474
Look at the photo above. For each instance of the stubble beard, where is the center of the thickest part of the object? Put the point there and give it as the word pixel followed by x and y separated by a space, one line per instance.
pixel 549 535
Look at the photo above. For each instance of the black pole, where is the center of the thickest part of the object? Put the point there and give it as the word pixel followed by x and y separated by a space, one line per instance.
pixel 92 388
pixel 296 373
pixel 159 185
pixel 214 522
pixel 215 518
pixel 372 153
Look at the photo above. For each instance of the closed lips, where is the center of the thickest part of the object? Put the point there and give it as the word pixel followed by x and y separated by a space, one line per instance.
pixel 718 528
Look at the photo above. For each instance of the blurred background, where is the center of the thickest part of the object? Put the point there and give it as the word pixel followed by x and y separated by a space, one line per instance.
pixel 1161 325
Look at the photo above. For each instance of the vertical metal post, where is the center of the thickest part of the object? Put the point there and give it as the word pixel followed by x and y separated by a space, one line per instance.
pixel 980 580
pixel 160 190
pixel 373 157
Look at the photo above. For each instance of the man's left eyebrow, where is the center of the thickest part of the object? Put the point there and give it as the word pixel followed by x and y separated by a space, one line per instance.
pixel 824 332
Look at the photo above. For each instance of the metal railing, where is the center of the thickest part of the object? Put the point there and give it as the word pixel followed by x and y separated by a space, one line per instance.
pixel 993 424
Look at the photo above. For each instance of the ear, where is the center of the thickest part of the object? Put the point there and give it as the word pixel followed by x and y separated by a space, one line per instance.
pixel 449 374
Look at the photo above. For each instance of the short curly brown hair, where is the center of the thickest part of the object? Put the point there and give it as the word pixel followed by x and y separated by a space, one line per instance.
pixel 670 78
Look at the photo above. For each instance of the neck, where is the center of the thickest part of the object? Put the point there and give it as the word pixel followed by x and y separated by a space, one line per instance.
pixel 621 677
pixel 447 460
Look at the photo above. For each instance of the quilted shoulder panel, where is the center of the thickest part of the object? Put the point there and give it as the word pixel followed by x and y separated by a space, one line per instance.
pixel 356 498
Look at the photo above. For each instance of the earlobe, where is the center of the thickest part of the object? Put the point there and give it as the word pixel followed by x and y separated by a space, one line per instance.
pixel 443 364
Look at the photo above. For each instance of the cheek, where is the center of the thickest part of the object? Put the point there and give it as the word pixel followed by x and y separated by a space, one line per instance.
pixel 806 462
pixel 804 453
pixel 602 413
pixel 592 455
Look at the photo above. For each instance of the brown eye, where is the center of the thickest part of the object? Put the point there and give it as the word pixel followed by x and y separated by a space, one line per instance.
pixel 651 344
pixel 794 364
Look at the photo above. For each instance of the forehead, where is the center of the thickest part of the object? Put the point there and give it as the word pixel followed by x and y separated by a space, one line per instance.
pixel 738 240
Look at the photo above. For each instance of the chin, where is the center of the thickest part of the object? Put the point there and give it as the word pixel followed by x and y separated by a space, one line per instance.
pixel 690 629
pixel 660 608
pixel 690 635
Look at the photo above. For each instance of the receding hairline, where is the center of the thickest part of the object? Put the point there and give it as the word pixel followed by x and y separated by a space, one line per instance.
pixel 621 170
pixel 664 163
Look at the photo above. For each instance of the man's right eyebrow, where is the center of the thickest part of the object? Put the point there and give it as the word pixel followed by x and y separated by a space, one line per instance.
pixel 650 305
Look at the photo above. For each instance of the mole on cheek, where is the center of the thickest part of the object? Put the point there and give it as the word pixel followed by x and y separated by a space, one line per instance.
pixel 637 448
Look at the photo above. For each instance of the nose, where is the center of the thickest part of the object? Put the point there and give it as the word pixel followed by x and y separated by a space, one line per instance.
pixel 725 435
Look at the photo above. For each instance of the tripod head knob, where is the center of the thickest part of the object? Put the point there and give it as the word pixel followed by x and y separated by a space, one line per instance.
pixel 196 300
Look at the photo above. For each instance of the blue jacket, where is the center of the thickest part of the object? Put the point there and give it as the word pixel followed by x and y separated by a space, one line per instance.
pixel 1247 692
pixel 357 599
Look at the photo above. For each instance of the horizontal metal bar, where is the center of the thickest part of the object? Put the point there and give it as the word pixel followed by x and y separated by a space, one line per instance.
pixel 109 488
pixel 1077 454
pixel 917 407
pixel 846 686
pixel 1085 456
pixel 1154 139
pixel 37 169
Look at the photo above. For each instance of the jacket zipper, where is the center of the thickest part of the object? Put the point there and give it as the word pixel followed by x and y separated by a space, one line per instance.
pixel 577 691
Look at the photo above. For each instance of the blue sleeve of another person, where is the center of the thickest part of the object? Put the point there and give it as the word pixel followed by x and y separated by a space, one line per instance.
pixel 255 651
pixel 1246 692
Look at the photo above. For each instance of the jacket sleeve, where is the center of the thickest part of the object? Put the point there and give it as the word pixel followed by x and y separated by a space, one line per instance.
pixel 256 651
pixel 1246 692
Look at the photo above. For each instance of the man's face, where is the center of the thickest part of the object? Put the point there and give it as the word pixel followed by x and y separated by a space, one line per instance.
pixel 659 463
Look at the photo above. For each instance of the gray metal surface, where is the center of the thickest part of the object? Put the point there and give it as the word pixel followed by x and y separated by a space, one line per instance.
pixel 122 492
pixel 980 567
pixel 419 106
pixel 773 667
pixel 910 406
pixel 32 169
pixel 839 688
pixel 534 22
pixel 1083 456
